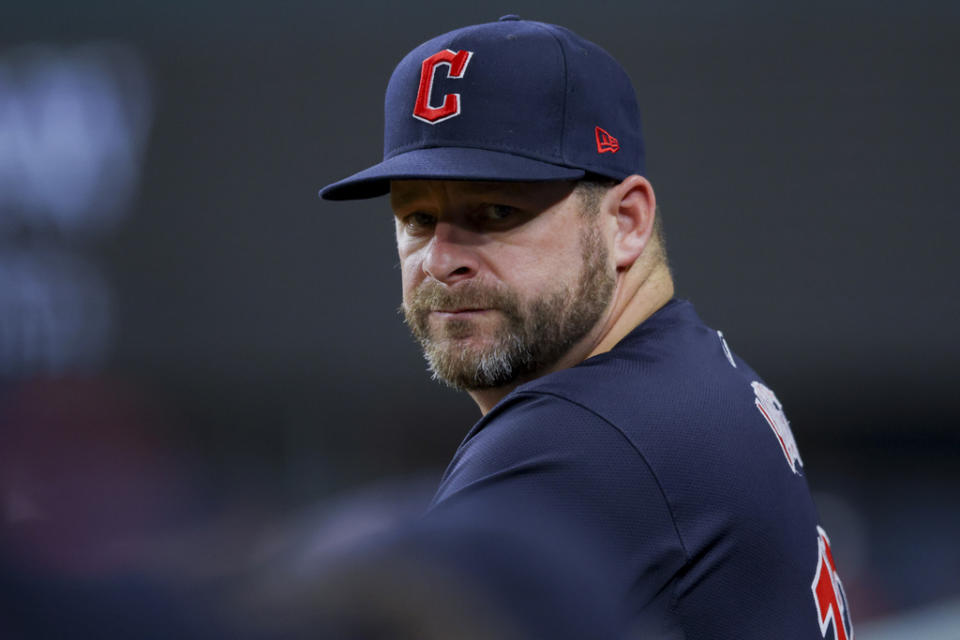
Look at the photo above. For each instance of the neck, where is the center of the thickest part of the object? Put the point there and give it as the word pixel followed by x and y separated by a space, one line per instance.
pixel 641 291
pixel 638 303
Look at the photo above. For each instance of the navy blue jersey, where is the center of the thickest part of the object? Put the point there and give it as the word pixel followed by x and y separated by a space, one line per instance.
pixel 676 459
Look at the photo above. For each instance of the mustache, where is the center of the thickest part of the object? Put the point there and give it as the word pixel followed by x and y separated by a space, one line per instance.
pixel 433 296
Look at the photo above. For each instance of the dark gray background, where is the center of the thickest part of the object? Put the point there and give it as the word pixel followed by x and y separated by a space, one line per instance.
pixel 805 161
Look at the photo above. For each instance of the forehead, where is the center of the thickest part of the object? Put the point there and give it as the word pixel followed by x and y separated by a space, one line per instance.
pixel 404 193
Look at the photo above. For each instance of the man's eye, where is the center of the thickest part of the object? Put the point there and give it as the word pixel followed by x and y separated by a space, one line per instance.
pixel 498 212
pixel 418 221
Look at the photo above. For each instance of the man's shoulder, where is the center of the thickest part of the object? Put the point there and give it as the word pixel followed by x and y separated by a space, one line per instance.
pixel 671 365
pixel 679 456
pixel 676 392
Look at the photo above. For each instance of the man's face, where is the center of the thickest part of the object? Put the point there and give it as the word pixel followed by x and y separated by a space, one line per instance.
pixel 500 280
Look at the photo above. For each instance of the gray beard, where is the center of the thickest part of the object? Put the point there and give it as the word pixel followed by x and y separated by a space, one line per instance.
pixel 534 336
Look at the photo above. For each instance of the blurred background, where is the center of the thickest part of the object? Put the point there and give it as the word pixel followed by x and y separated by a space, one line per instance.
pixel 201 363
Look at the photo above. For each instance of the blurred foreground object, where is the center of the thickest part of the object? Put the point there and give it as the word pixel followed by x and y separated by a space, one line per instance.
pixel 90 488
pixel 483 573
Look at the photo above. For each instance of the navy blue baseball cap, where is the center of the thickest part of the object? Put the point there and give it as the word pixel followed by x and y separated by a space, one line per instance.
pixel 509 100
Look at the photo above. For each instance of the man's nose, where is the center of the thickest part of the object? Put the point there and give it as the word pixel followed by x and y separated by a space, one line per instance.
pixel 451 254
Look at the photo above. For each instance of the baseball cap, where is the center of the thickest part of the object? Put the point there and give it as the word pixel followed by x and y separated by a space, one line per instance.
pixel 510 100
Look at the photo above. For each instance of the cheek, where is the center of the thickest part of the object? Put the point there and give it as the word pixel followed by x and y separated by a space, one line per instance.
pixel 541 269
pixel 408 262
pixel 410 275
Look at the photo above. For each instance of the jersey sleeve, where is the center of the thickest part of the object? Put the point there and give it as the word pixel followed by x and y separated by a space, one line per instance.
pixel 544 453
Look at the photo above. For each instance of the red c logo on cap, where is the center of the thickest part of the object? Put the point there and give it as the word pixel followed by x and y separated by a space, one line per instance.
pixel 457 62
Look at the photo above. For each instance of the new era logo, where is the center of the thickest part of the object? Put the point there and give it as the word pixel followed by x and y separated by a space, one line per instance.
pixel 606 142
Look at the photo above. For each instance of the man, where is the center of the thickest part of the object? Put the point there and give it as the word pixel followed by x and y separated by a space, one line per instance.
pixel 535 277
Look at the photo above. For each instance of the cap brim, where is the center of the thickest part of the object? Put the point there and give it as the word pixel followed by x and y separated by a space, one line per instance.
pixel 446 163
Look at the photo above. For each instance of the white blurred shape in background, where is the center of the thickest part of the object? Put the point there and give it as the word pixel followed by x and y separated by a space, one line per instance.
pixel 56 314
pixel 73 127
pixel 73 132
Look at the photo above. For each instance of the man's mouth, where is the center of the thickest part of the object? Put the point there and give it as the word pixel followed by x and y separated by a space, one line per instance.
pixel 459 312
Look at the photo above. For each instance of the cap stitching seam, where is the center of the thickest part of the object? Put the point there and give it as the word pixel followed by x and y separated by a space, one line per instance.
pixel 563 111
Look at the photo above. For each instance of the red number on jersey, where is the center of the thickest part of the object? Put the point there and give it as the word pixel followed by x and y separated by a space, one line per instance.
pixel 828 593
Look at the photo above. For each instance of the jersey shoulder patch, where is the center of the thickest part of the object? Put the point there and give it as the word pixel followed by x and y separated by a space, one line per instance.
pixel 772 411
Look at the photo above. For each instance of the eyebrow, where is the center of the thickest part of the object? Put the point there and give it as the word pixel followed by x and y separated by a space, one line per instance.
pixel 402 200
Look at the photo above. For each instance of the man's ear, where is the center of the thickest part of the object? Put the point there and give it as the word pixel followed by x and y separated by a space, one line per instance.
pixel 635 205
